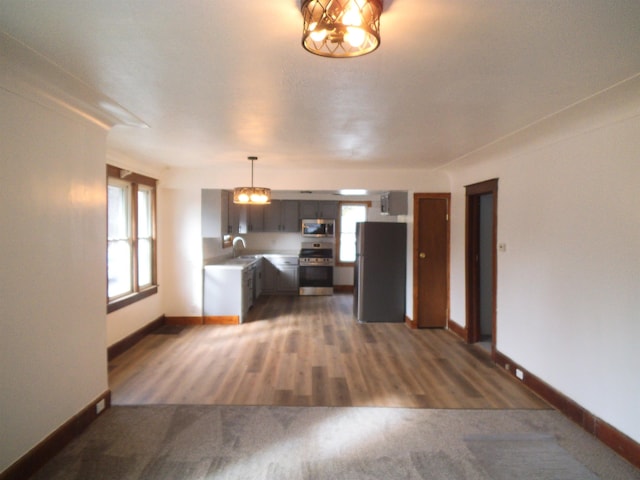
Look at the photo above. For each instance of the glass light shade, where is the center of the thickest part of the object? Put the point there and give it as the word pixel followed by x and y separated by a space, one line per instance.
pixel 252 195
pixel 341 28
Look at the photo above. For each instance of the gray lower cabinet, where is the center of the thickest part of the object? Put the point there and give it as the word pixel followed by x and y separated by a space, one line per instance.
pixel 280 274
pixel 258 278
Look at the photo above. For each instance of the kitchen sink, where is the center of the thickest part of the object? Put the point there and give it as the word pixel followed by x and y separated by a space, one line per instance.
pixel 239 261
pixel 242 260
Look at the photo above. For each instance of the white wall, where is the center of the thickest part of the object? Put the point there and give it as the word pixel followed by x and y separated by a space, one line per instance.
pixel 181 251
pixel 569 281
pixel 53 281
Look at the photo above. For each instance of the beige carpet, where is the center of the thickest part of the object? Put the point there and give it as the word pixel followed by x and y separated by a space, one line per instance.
pixel 511 456
pixel 229 442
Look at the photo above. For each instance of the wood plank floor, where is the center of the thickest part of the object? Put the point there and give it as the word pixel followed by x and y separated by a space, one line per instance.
pixel 309 351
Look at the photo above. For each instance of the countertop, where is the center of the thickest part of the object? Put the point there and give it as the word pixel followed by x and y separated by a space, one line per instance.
pixel 245 260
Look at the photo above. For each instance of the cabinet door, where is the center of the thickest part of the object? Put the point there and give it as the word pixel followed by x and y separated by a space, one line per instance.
pixel 394 203
pixel 384 204
pixel 318 209
pixel 308 209
pixel 211 213
pixel 256 218
pixel 251 218
pixel 273 216
pixel 290 216
pixel 269 276
pixel 328 209
pixel 225 227
pixel 259 279
pixel 234 215
pixel 288 279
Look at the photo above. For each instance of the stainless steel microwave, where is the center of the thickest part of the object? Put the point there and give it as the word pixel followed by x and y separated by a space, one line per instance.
pixel 318 227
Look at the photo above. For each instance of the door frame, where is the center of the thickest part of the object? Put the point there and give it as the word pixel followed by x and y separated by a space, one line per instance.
pixel 472 278
pixel 416 224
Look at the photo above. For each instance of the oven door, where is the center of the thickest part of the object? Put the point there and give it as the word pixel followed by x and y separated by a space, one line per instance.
pixel 315 280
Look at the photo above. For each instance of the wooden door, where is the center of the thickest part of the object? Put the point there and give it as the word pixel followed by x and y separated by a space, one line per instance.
pixel 431 260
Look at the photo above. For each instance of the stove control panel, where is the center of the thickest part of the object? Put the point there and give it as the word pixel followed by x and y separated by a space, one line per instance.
pixel 313 261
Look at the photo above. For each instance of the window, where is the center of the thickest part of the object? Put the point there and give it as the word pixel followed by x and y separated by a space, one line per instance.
pixel 350 214
pixel 131 242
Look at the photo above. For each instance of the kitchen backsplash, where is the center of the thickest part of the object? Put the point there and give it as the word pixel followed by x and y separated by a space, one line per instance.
pixel 273 241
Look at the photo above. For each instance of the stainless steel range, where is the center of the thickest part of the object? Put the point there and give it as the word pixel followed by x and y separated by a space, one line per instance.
pixel 315 268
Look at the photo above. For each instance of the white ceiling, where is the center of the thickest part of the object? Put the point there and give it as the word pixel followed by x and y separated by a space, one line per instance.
pixel 217 80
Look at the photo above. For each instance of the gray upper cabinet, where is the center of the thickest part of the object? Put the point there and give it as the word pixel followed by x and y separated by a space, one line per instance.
pixel 282 216
pixel 252 218
pixel 318 209
pixel 394 203
pixel 220 217
pixel 233 216
pixel 211 210
pixel 290 216
pixel 225 222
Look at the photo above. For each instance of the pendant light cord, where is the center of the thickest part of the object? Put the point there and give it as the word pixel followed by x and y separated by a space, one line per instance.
pixel 253 159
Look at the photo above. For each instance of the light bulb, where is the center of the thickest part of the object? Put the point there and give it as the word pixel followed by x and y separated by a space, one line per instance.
pixel 352 17
pixel 318 35
pixel 355 36
pixel 258 197
pixel 243 197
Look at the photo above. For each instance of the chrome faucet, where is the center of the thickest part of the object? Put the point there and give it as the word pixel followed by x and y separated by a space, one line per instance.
pixel 235 241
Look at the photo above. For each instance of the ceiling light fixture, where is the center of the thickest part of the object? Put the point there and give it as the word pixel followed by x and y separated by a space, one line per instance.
pixel 341 28
pixel 252 195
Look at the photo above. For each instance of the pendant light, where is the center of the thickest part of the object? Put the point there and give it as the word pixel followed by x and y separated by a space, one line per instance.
pixel 341 28
pixel 252 195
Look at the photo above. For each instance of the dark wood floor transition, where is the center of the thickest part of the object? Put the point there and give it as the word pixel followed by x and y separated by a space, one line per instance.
pixel 309 351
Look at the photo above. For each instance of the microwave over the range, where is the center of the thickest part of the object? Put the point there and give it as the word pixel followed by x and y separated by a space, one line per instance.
pixel 318 227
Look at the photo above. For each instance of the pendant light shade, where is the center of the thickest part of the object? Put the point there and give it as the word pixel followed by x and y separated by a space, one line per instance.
pixel 341 28
pixel 252 195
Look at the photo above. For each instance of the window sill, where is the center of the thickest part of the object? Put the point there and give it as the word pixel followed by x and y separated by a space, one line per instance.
pixel 345 264
pixel 130 299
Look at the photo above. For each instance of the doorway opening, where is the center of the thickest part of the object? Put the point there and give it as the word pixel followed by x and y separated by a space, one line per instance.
pixel 481 263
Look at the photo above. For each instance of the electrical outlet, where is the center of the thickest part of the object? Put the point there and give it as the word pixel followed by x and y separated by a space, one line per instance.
pixel 519 374
pixel 100 406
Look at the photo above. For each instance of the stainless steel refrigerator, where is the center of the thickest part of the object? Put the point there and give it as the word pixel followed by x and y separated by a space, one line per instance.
pixel 380 273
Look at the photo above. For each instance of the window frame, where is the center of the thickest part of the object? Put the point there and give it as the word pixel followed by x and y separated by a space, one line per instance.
pixel 338 234
pixel 135 180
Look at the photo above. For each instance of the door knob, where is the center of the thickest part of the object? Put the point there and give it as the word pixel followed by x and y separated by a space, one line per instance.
pixel 423 255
